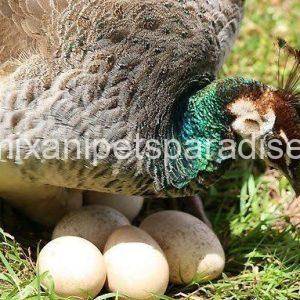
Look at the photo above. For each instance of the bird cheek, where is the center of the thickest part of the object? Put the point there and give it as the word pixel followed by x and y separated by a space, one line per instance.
pixel 238 127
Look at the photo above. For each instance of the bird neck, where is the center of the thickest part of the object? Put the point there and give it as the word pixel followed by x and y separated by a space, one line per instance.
pixel 201 129
pixel 207 116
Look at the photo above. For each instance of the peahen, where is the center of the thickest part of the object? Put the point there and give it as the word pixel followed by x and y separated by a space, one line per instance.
pixel 127 71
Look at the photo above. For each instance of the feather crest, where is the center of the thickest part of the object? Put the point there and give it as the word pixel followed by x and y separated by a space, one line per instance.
pixel 289 78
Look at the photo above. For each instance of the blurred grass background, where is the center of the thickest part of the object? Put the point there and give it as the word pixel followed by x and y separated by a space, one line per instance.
pixel 255 53
pixel 252 209
pixel 260 234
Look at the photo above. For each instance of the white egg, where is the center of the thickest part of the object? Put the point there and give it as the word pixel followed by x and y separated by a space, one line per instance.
pixel 129 206
pixel 74 265
pixel 136 266
pixel 94 223
pixel 192 249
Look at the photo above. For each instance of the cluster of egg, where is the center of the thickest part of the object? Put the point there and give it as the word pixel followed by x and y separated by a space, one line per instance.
pixel 96 246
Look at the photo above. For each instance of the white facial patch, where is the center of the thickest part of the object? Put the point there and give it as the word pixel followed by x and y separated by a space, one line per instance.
pixel 249 122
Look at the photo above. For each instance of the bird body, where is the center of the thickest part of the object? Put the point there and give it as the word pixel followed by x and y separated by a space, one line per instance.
pixel 111 66
pixel 116 70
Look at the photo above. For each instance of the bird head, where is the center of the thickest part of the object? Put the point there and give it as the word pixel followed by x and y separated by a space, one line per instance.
pixel 269 117
pixel 235 109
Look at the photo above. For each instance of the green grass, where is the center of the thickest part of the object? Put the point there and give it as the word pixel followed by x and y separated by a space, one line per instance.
pixel 262 246
pixel 255 53
pixel 263 261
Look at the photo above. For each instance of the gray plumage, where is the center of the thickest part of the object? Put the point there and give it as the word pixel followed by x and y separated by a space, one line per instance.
pixel 104 69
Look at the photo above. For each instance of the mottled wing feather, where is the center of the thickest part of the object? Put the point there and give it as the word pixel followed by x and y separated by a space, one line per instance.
pixel 12 38
pixel 117 70
pixel 225 17
pixel 23 25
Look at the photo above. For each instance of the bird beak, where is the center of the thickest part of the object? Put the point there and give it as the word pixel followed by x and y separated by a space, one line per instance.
pixel 294 177
pixel 296 187
pixel 295 180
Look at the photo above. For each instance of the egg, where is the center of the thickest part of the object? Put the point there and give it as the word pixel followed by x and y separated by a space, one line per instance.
pixel 130 206
pixel 192 249
pixel 136 266
pixel 94 223
pixel 75 267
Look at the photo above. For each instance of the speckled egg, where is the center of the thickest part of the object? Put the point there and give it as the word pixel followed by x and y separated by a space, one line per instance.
pixel 94 223
pixel 129 206
pixel 192 249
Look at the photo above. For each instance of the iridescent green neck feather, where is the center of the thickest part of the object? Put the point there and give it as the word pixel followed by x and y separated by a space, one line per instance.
pixel 205 122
